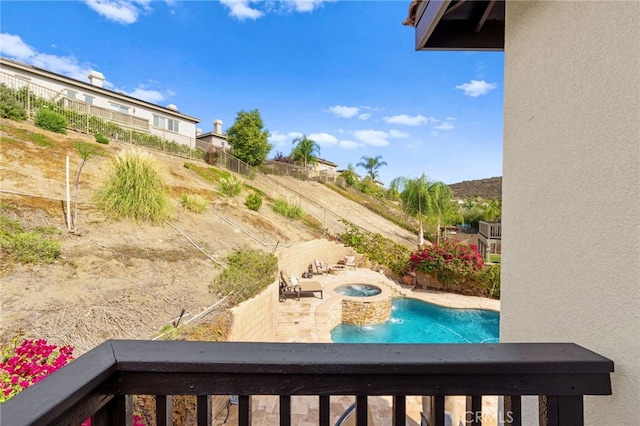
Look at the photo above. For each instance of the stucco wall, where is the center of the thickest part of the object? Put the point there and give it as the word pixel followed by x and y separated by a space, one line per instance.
pixel 571 188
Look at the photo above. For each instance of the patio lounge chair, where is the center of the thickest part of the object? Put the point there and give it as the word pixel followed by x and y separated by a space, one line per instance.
pixel 350 261
pixel 301 288
pixel 321 267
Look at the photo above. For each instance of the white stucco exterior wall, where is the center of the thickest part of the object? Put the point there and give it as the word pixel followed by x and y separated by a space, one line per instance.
pixel 571 218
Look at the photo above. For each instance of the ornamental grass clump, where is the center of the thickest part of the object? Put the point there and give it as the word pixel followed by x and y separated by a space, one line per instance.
pixel 135 190
pixel 231 186
pixel 449 262
pixel 286 209
pixel 194 202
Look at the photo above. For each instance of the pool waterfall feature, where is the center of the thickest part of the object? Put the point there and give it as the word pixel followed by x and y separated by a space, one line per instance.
pixel 364 304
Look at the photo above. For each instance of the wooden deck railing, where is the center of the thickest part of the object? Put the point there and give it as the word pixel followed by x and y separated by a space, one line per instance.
pixel 99 384
pixel 490 230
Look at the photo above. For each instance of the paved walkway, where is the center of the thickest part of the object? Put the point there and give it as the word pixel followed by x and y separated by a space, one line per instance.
pixel 298 324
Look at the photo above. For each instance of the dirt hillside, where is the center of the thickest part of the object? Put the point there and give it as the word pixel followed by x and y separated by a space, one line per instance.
pixel 118 279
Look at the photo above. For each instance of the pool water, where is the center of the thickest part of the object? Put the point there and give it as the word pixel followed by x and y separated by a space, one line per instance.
pixel 414 321
pixel 358 290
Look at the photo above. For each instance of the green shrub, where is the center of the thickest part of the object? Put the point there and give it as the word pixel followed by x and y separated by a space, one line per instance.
pixel 282 206
pixel 51 120
pixel 102 139
pixel 194 202
pixel 377 248
pixel 250 272
pixel 10 107
pixel 254 201
pixel 41 139
pixel 230 186
pixel 136 189
pixel 27 246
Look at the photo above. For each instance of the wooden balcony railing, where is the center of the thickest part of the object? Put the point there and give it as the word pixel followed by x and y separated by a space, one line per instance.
pixel 490 230
pixel 99 384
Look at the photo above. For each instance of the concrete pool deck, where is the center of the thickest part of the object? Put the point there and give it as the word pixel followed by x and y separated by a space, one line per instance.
pixel 305 321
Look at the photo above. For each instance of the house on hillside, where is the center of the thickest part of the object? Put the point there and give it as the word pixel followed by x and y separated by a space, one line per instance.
pixel 215 138
pixel 571 126
pixel 324 167
pixel 93 99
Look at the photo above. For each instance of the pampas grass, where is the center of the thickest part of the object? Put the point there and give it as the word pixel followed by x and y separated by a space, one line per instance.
pixel 136 189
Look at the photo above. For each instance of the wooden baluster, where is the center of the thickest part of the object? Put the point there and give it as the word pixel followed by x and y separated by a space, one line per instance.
pixel 164 410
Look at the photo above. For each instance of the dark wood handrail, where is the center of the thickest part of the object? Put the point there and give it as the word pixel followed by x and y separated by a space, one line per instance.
pixel 119 368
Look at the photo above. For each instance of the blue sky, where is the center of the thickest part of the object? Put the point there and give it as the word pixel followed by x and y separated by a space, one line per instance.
pixel 344 73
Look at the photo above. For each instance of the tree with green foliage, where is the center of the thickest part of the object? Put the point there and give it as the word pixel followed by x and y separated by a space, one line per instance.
pixel 248 138
pixel 10 107
pixel 305 151
pixel 493 211
pixel 371 165
pixel 350 176
pixel 421 197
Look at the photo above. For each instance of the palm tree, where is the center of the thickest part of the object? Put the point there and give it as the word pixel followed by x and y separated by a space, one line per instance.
pixel 305 151
pixel 421 197
pixel 372 164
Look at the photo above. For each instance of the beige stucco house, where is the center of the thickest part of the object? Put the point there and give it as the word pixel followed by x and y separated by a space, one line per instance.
pixel 571 189
pixel 92 98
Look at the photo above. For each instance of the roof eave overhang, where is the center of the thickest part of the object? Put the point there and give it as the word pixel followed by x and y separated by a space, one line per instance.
pixel 432 32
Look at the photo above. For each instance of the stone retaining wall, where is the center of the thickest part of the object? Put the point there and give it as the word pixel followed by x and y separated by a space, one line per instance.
pixel 361 312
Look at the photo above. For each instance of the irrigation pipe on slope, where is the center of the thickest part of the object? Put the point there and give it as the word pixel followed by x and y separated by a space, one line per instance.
pixel 196 245
pixel 201 314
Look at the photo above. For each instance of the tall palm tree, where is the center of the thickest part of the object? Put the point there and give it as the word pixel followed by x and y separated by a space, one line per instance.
pixel 305 151
pixel 421 197
pixel 372 164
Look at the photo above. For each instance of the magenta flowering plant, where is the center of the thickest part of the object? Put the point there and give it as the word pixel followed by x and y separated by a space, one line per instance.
pixel 448 261
pixel 29 362
pixel 25 363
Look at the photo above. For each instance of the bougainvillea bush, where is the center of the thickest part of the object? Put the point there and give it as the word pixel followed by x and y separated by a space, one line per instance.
pixel 29 362
pixel 449 262
pixel 25 363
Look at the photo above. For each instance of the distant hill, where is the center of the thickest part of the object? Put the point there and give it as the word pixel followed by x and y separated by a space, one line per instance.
pixel 488 189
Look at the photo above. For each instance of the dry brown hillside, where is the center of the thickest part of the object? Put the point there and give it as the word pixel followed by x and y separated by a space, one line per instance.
pixel 118 279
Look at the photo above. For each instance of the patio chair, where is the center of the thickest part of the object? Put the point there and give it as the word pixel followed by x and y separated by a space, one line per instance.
pixel 321 267
pixel 300 288
pixel 350 261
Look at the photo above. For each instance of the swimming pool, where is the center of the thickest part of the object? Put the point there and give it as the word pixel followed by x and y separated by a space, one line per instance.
pixel 415 321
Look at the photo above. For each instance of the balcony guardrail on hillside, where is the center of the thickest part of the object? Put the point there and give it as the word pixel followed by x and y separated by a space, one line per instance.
pixel 490 230
pixel 100 383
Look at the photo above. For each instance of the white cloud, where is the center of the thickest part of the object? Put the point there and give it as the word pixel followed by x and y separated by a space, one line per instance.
pixel 397 134
pixel 280 139
pixel 152 96
pixel 241 10
pixel 451 118
pixel 323 139
pixel 344 111
pixel 346 144
pixel 364 116
pixel 120 11
pixel 13 46
pixel 416 120
pixel 303 5
pixel 476 88
pixel 254 9
pixel 445 126
pixel 377 137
